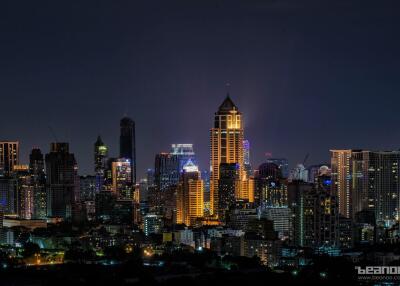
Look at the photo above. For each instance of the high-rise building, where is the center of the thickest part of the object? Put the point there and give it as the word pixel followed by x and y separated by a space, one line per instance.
pixel 228 186
pixel 246 158
pixel 100 160
pixel 162 198
pixel 127 144
pixel 341 177
pixel 384 186
pixel 88 188
pixel 184 152
pixel 282 164
pixel 62 179
pixel 271 188
pixel 316 216
pixel 166 171
pixel 367 181
pixel 9 156
pixel 8 195
pixel 226 141
pixel 38 180
pixel 190 195
pixel 122 184
pixel 24 191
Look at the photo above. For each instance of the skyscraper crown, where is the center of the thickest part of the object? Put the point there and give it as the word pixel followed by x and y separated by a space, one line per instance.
pixel 227 105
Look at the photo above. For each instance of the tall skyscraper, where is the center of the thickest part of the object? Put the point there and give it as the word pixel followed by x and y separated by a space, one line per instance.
pixel 9 156
pixel 246 158
pixel 127 144
pixel 341 177
pixel 190 195
pixel 38 180
pixel 24 192
pixel 367 181
pixel 383 191
pixel 166 177
pixel 122 178
pixel 62 179
pixel 100 159
pixel 226 141
pixel 184 152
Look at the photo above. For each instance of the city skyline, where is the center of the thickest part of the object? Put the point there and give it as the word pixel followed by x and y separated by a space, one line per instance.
pixel 292 78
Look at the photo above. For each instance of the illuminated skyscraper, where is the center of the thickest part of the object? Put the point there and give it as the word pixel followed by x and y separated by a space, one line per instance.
pixel 226 142
pixel 341 178
pixel 9 156
pixel 190 195
pixel 246 158
pixel 127 144
pixel 38 180
pixel 100 158
pixel 122 178
pixel 384 186
pixel 184 152
pixel 62 179
pixel 24 191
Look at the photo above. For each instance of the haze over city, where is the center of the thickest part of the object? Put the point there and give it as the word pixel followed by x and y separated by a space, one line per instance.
pixel 307 76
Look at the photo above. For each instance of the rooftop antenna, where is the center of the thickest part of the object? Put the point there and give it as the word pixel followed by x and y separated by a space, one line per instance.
pixel 228 87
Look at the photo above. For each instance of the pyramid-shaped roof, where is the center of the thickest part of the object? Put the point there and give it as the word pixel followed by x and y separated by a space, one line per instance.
pixel 227 105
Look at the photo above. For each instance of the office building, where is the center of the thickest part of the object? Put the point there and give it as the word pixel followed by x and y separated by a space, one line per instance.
pixel 184 152
pixel 226 141
pixel 282 164
pixel 127 144
pixel 100 161
pixel 9 156
pixel 190 195
pixel 62 181
pixel 122 184
pixel 38 181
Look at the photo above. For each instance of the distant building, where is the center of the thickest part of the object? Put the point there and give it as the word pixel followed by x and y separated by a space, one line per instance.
pixel 62 179
pixel 24 193
pixel 316 215
pixel 38 181
pixel 184 152
pixel 246 158
pixel 122 184
pixel 9 156
pixel 282 220
pixel 226 141
pixel 228 186
pixel 367 180
pixel 282 164
pixel 152 223
pixel 88 188
pixel 127 144
pixel 162 198
pixel 100 160
pixel 190 195
pixel 271 188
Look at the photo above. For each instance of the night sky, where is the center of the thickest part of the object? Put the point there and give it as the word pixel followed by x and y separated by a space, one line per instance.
pixel 307 75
